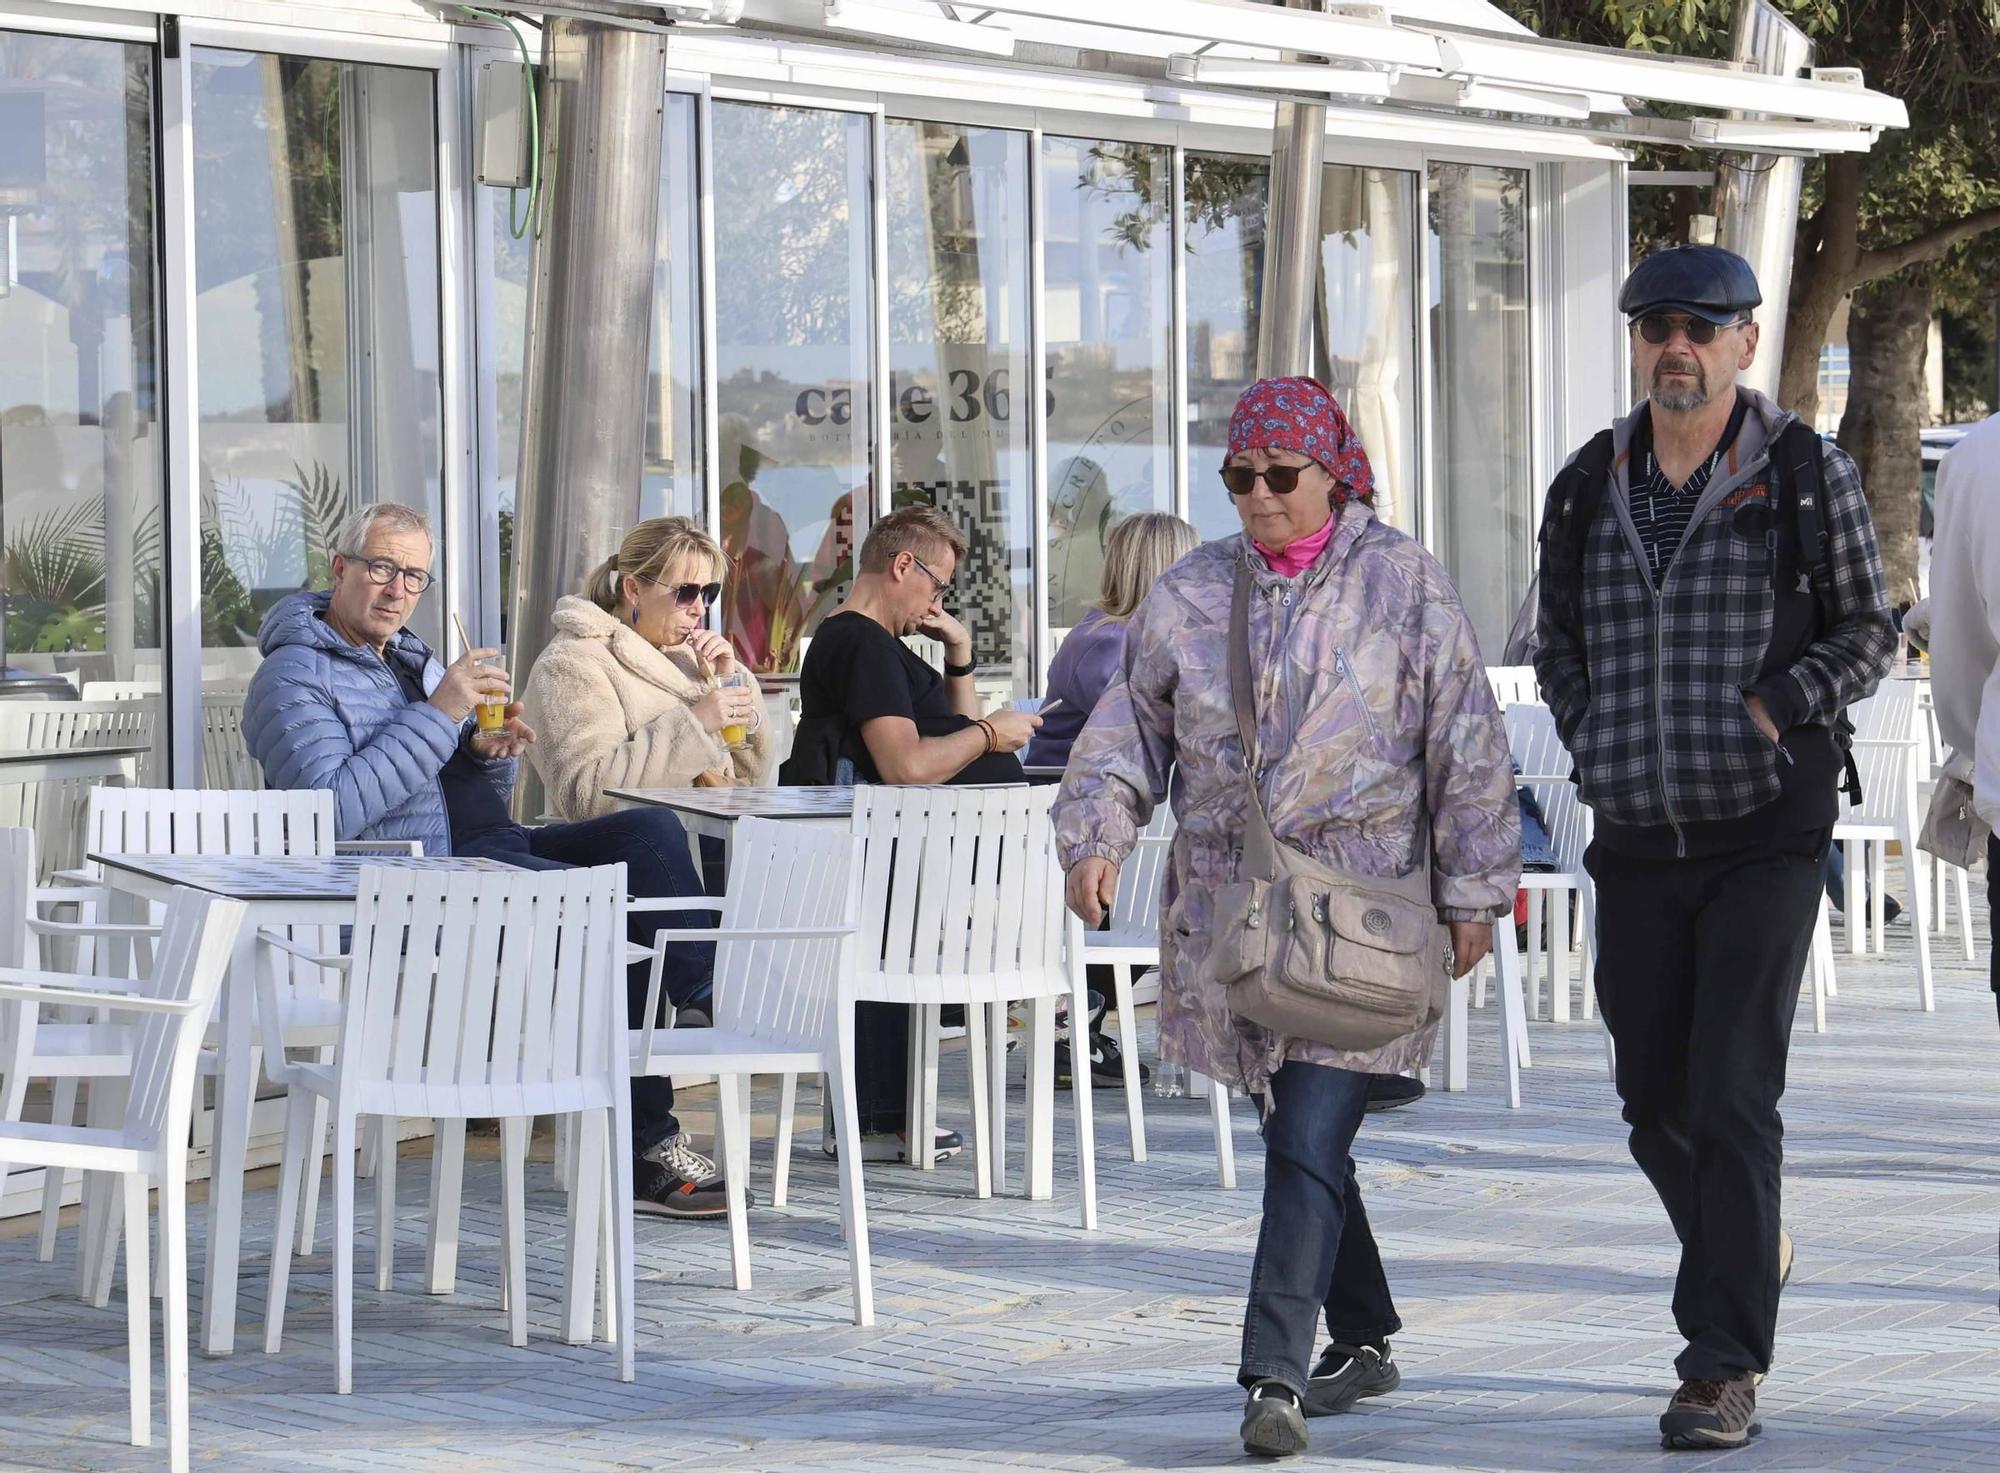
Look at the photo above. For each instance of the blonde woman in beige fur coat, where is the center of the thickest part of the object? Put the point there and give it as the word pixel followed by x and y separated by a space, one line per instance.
pixel 626 694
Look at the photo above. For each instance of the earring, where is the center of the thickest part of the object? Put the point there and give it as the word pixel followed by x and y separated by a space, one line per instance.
pixel 635 618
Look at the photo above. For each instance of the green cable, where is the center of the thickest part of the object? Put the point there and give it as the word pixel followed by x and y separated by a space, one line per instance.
pixel 520 228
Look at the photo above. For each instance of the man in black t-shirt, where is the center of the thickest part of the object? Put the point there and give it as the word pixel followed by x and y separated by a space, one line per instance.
pixel 870 702
pixel 872 711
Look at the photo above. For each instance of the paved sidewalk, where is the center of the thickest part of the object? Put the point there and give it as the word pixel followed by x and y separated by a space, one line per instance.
pixel 1529 1258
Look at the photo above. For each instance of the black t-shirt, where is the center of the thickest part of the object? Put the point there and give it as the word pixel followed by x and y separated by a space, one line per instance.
pixel 855 671
pixel 472 806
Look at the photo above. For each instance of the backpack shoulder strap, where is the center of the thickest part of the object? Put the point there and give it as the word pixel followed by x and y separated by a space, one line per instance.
pixel 1799 457
pixel 1580 489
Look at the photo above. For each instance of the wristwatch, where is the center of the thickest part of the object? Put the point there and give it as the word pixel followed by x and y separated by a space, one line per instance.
pixel 954 672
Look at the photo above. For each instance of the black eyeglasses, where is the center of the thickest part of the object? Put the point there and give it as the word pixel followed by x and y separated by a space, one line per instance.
pixel 685 594
pixel 942 585
pixel 385 572
pixel 1283 480
pixel 1657 327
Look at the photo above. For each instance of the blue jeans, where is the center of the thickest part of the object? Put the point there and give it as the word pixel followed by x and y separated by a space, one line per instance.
pixel 1315 1254
pixel 653 847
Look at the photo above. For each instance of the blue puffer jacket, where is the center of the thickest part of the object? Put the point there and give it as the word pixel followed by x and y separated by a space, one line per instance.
pixel 323 713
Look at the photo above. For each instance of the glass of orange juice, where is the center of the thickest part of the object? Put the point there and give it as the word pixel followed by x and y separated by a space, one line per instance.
pixel 736 734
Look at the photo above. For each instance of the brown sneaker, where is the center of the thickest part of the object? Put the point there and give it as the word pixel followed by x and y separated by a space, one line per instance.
pixel 1711 1414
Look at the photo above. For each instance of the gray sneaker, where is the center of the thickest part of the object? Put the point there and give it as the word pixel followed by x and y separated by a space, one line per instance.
pixel 677 1154
pixel 1711 1414
pixel 1347 1373
pixel 1273 1424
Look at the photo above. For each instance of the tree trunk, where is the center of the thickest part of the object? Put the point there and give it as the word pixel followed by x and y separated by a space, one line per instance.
pixel 1806 326
pixel 1887 334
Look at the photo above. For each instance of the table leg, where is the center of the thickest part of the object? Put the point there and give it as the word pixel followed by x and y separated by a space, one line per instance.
pixel 235 1091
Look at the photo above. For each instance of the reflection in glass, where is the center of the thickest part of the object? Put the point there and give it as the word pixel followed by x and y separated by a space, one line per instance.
pixel 958 342
pixel 1108 299
pixel 1367 339
pixel 671 481
pixel 1225 204
pixel 793 283
pixel 79 412
pixel 317 322
pixel 1479 365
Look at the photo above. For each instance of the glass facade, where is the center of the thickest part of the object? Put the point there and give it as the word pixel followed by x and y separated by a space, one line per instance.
pixel 80 467
pixel 958 361
pixel 1480 443
pixel 1107 301
pixel 316 267
pixel 1225 198
pixel 1135 267
pixel 794 372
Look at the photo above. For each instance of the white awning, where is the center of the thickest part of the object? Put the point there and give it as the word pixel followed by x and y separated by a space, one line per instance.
pixel 1461 56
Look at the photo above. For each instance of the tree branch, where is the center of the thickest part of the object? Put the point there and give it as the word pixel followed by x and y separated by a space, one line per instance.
pixel 1930 246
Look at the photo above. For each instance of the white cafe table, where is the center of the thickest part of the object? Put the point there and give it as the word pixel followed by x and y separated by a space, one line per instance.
pixel 711 813
pixel 65 764
pixel 278 891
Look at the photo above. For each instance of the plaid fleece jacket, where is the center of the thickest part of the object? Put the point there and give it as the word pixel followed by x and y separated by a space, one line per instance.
pixel 1647 687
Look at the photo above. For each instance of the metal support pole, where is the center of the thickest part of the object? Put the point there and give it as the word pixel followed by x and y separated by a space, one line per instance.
pixel 1757 195
pixel 589 316
pixel 1291 233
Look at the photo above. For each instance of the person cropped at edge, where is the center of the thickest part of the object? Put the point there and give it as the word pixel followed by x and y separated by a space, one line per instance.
pixel 349 700
pixel 1371 694
pixel 1695 667
pixel 1961 622
pixel 871 711
pixel 628 692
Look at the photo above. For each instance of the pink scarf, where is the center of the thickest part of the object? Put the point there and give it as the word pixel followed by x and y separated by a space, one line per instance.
pixel 1294 559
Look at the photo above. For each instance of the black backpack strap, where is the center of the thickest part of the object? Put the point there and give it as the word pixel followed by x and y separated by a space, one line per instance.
pixel 1799 459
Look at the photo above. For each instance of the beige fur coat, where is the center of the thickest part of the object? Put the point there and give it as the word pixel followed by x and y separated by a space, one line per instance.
pixel 611 710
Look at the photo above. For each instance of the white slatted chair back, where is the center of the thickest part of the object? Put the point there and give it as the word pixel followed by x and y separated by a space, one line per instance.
pixel 1545 768
pixel 1885 754
pixel 1513 683
pixel 961 892
pixel 226 762
pixel 120 690
pixel 1135 910
pixel 785 876
pixel 55 809
pixel 197 936
pixel 170 821
pixel 477 994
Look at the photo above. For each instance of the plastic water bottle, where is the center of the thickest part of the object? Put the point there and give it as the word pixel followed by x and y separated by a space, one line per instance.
pixel 1169 1080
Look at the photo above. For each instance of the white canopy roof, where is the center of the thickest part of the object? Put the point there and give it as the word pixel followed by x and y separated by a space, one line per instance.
pixel 1453 55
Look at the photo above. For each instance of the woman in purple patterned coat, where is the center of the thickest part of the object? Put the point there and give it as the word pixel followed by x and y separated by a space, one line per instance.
pixel 1384 744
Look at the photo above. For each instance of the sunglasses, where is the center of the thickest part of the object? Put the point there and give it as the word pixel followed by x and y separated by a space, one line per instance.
pixel 685 594
pixel 1283 480
pixel 1657 327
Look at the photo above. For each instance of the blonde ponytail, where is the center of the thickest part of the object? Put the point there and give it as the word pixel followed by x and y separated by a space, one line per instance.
pixel 601 587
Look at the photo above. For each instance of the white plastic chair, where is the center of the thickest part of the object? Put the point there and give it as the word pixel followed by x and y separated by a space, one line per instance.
pixel 150 1145
pixel 783 1005
pixel 1544 770
pixel 166 821
pixel 1886 753
pixel 1131 944
pixel 474 995
pixel 1513 684
pixel 961 902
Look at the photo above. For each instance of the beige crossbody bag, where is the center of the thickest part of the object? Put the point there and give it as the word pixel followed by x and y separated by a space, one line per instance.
pixel 1307 950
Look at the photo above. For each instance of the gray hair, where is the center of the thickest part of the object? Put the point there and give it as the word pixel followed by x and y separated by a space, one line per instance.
pixel 350 538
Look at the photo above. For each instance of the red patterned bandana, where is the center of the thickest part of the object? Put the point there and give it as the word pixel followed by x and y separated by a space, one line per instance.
pixel 1298 414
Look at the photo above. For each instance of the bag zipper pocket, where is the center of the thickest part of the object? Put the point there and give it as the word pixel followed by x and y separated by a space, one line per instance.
pixel 1345 671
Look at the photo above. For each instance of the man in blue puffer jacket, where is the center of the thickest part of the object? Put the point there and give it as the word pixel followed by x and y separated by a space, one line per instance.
pixel 349 700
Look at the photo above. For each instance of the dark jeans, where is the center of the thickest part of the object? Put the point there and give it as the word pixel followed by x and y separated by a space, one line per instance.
pixel 653 847
pixel 1315 1253
pixel 1698 970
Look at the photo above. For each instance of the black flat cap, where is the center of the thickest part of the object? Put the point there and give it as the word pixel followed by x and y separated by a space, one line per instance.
pixel 1703 280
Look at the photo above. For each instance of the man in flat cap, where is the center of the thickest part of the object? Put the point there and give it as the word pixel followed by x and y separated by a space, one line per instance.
pixel 1711 599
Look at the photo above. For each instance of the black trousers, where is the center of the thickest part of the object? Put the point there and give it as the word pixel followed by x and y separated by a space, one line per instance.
pixel 1698 970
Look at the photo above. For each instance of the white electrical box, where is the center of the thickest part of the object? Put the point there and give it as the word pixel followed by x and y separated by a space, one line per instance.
pixel 505 137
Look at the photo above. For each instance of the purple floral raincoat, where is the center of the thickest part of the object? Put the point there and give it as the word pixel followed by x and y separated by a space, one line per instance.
pixel 1375 716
